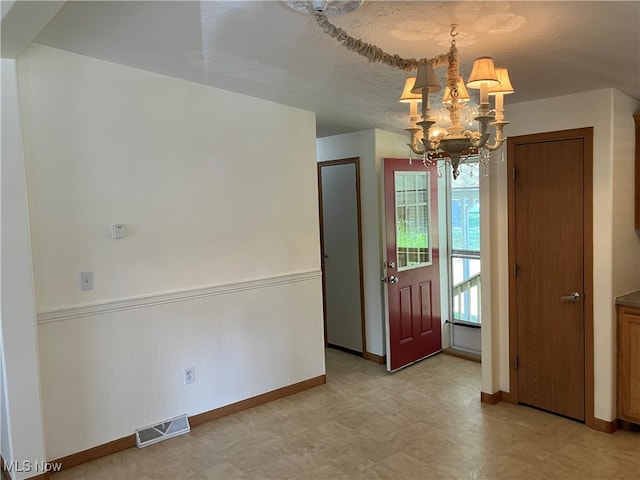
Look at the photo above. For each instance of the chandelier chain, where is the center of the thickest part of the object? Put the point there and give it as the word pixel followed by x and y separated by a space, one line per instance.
pixel 372 52
pixel 453 34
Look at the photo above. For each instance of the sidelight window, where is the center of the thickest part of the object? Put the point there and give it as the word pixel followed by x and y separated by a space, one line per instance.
pixel 464 224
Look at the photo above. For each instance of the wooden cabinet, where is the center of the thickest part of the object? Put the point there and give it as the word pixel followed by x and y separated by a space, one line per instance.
pixel 636 119
pixel 629 363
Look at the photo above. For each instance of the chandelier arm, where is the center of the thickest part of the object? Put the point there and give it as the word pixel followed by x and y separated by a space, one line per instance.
pixel 415 141
pixel 416 148
pixel 496 145
pixel 500 138
pixel 373 52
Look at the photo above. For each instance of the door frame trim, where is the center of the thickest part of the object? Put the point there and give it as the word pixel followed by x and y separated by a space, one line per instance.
pixel 586 134
pixel 330 163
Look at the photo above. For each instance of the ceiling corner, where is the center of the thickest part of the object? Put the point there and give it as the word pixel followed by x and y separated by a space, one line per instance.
pixel 22 21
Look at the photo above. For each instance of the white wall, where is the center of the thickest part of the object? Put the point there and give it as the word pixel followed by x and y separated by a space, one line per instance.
pixel 612 160
pixel 22 430
pixel 370 146
pixel 220 268
pixel 495 280
pixel 108 144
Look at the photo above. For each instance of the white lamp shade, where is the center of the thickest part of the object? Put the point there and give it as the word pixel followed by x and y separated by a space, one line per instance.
pixel 463 95
pixel 483 72
pixel 407 96
pixel 505 83
pixel 426 78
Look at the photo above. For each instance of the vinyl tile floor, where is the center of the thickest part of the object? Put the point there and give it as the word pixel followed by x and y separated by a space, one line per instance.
pixel 423 422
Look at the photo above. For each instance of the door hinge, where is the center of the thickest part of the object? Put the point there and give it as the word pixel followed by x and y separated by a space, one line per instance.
pixel 515 269
pixel 515 362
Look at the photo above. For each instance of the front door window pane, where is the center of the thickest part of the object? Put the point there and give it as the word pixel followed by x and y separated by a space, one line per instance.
pixel 413 243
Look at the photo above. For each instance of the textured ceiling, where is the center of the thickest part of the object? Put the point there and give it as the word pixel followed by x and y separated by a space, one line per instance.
pixel 268 50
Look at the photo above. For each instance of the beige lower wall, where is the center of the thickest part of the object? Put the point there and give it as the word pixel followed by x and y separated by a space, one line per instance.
pixel 106 374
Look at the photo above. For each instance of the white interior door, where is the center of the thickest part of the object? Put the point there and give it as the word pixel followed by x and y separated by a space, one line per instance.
pixel 341 254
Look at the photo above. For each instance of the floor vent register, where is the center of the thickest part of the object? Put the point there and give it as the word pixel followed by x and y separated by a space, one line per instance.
pixel 161 431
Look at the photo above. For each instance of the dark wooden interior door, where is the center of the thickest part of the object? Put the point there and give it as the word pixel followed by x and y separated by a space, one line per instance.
pixel 549 275
pixel 413 273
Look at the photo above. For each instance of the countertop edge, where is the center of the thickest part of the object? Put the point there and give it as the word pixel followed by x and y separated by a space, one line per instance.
pixel 629 300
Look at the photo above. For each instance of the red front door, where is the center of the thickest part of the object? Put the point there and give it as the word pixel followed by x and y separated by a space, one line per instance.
pixel 412 267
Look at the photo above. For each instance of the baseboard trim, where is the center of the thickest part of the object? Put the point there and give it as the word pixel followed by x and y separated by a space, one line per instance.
pixel 124 443
pixel 381 359
pixel 201 418
pixel 460 354
pixel 491 398
pixel 497 397
pixel 602 425
pixel 95 453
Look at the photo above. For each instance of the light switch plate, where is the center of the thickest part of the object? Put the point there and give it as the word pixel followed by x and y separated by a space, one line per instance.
pixel 86 280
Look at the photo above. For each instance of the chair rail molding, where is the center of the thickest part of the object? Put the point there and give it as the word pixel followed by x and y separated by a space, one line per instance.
pixel 143 301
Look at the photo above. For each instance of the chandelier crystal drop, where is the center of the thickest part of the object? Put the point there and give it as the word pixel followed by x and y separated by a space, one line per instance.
pixel 454 143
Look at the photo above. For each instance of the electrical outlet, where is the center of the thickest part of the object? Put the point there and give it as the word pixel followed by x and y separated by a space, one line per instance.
pixel 189 375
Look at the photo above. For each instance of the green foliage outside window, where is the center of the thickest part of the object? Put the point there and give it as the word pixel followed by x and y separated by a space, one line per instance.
pixel 407 238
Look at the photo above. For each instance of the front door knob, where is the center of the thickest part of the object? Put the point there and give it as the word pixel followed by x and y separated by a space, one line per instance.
pixel 393 279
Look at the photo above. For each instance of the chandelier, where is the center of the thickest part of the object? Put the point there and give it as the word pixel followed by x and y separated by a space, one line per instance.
pixel 454 143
